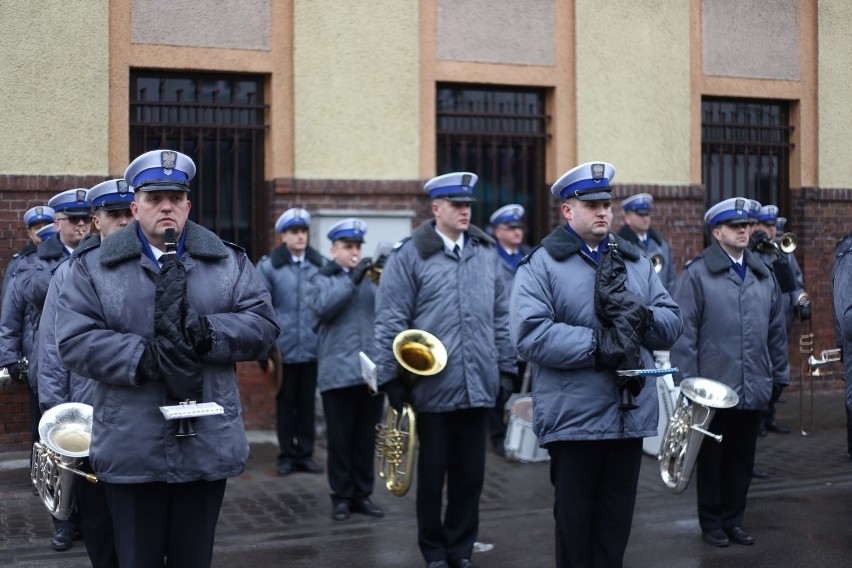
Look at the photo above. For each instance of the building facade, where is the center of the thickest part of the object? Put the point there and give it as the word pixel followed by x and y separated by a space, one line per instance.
pixel 347 107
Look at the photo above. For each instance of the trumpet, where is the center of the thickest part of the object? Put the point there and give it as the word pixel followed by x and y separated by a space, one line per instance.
pixel 786 242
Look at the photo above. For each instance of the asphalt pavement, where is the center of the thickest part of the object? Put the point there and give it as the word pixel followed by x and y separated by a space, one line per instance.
pixel 800 516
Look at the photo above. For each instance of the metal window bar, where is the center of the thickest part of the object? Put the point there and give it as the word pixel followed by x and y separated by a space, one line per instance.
pixel 501 136
pixel 220 121
pixel 745 147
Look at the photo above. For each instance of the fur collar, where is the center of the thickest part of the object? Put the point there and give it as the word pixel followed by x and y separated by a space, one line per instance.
pixel 427 241
pixel 560 244
pixel 280 256
pixel 330 269
pixel 717 260
pixel 51 249
pixel 124 245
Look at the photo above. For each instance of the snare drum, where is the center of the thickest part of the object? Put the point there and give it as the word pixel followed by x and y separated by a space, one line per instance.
pixel 521 444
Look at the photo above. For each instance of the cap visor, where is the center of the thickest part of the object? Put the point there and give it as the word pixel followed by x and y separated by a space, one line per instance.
pixel 460 198
pixel 162 186
pixel 115 206
pixel 596 196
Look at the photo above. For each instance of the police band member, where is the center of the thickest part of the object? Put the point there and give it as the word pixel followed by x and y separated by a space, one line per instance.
pixel 32 279
pixel 734 333
pixel 508 225
pixel 154 328
pixel 444 280
pixel 343 303
pixel 595 446
pixel 637 230
pixel 842 315
pixel 34 218
pixel 286 273
pixel 56 384
pixel 16 331
pixel 793 297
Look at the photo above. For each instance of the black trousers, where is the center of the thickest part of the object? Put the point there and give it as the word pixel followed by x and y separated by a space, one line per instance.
pixel 595 484
pixel 295 405
pixel 723 470
pixel 165 524
pixel 96 523
pixel 351 417
pixel 452 447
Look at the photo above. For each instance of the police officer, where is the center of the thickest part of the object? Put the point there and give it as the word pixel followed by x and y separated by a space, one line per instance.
pixel 34 272
pixel 508 226
pixel 111 203
pixel 791 281
pixel 842 312
pixel 343 303
pixel 444 280
pixel 285 273
pixel 734 332
pixel 595 445
pixel 637 230
pixel 35 218
pixel 153 335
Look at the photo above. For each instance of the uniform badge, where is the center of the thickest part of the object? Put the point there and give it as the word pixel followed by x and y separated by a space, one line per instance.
pixel 740 205
pixel 121 187
pixel 598 172
pixel 39 211
pixel 356 225
pixel 168 160
pixel 81 195
pixel 465 181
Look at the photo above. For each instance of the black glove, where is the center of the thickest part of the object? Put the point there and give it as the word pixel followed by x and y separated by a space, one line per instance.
pixel 610 349
pixel 783 270
pixel 396 392
pixel 507 387
pixel 196 328
pixel 803 308
pixel 176 365
pixel 15 372
pixel 361 269
pixel 760 242
pixel 634 384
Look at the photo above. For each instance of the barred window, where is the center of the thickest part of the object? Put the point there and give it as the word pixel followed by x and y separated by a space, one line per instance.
pixel 500 135
pixel 745 151
pixel 219 121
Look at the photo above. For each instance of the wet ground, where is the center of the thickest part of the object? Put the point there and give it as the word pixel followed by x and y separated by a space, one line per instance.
pixel 799 517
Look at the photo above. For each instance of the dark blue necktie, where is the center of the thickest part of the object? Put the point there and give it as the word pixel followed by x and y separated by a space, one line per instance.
pixel 740 269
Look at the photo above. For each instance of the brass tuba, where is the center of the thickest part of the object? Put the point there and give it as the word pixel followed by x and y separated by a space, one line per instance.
pixel 66 432
pixel 658 262
pixel 687 428
pixel 421 354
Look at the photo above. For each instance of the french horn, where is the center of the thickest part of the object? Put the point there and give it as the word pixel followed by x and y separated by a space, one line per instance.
pixel 698 400
pixel 420 354
pixel 65 433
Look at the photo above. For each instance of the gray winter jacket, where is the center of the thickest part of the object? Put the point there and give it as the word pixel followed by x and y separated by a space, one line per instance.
pixel 344 316
pixel 460 301
pixel 104 317
pixel 56 384
pixel 553 323
pixel 842 288
pixel 734 330
pixel 17 325
pixel 287 284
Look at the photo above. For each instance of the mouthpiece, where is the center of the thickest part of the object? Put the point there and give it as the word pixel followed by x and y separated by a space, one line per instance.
pixel 170 238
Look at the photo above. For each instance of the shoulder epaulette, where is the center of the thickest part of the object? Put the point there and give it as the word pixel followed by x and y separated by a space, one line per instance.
pixel 526 258
pixel 234 246
pixel 690 261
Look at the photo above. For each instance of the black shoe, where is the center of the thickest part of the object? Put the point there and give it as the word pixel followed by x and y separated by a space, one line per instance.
pixel 716 538
pixel 739 536
pixel 63 539
pixel 758 473
pixel 773 426
pixel 309 466
pixel 285 469
pixel 437 564
pixel 367 507
pixel 340 512
pixel 463 563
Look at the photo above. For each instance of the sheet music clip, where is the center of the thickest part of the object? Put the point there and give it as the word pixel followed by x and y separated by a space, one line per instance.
pixel 191 409
pixel 369 372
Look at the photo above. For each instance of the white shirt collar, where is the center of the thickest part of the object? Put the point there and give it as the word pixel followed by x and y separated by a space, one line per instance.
pixel 736 260
pixel 449 243
pixel 296 259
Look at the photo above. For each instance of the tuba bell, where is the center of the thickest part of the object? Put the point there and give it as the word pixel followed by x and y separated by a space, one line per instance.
pixel 698 400
pixel 421 354
pixel 658 262
pixel 65 432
